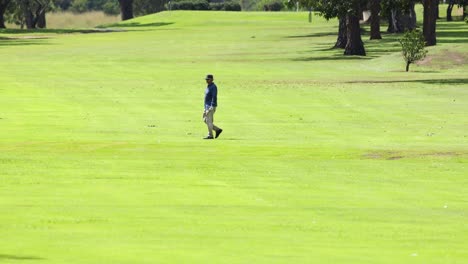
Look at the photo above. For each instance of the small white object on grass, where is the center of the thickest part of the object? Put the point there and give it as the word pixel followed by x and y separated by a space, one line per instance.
pixel 445 206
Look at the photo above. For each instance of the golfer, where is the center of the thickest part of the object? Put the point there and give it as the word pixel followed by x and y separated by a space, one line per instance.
pixel 211 102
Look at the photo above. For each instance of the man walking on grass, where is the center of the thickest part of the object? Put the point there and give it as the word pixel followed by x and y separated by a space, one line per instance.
pixel 211 102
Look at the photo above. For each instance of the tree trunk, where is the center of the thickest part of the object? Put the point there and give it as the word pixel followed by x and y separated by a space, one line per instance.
pixel 41 20
pixel 126 9
pixel 396 21
pixel 412 10
pixel 354 45
pixel 407 66
pixel 401 20
pixel 375 19
pixel 429 23
pixel 2 21
pixel 29 19
pixel 437 9
pixel 3 6
pixel 342 35
pixel 390 28
pixel 449 10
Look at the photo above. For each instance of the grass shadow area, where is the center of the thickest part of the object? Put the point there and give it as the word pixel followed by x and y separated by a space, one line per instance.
pixel 452 37
pixel 58 31
pixel 18 257
pixel 451 25
pixel 459 81
pixel 388 44
pixel 314 35
pixel 135 25
pixel 336 57
pixel 23 41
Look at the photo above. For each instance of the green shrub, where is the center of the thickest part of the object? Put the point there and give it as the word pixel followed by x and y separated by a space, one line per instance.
pixel 145 7
pixel 79 6
pixel 232 6
pixel 201 5
pixel 216 6
pixel 190 5
pixel 226 6
pixel 412 45
pixel 270 5
pixel 111 8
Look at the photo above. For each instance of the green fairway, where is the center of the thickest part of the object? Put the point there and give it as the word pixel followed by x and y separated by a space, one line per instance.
pixel 323 158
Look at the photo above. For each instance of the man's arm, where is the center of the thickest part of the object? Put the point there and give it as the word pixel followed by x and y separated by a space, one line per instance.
pixel 214 95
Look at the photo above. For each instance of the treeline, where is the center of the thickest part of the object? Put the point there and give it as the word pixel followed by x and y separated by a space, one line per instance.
pixel 31 14
pixel 400 14
pixel 203 5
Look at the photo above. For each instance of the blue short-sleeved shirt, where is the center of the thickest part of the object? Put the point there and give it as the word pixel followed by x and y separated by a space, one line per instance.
pixel 211 96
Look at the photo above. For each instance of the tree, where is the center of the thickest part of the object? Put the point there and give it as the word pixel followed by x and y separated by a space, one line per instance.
pixel 401 15
pixel 351 12
pixel 29 12
pixel 460 3
pixel 465 9
pixel 144 7
pixel 3 7
pixel 412 45
pixel 342 38
pixel 354 45
pixel 375 8
pixel 429 22
pixel 126 9
pixel 450 5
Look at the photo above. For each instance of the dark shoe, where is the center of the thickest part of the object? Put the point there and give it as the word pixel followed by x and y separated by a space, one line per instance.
pixel 218 133
pixel 208 137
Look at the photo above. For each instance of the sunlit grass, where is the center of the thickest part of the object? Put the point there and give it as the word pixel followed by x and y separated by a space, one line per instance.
pixel 323 158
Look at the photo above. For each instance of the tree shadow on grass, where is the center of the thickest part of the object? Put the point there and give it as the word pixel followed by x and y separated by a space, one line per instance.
pixel 314 35
pixel 447 32
pixel 388 44
pixel 136 25
pixel 332 58
pixel 17 257
pixel 57 31
pixel 460 81
pixel 23 41
pixel 452 37
pixel 461 25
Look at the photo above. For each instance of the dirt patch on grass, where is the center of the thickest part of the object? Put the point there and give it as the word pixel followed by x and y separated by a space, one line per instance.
pixel 26 37
pixel 394 155
pixel 445 59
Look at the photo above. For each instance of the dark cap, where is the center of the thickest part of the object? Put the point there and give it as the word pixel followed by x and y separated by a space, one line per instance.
pixel 209 77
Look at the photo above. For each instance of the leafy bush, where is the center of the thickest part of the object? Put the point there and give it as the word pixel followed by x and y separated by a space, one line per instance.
pixel 412 45
pixel 226 6
pixel 144 7
pixel 201 5
pixel 63 4
pixel 270 5
pixel 190 5
pixel 79 6
pixel 232 6
pixel 111 8
pixel 216 6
